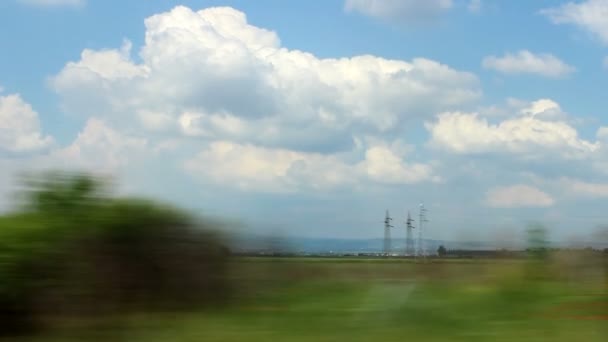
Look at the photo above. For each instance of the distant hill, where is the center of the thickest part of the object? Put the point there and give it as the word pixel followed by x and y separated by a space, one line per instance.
pixel 256 243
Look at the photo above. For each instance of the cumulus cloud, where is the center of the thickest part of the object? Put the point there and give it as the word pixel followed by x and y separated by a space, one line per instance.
pixel 546 108
pixel 588 15
pixel 517 196
pixel 210 73
pixel 99 147
pixel 526 62
pixel 54 3
pixel 399 11
pixel 261 117
pixel 384 165
pixel 110 65
pixel 20 131
pixel 251 167
pixel 534 132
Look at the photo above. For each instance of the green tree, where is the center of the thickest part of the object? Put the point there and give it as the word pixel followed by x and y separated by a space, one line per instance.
pixel 71 248
pixel 538 241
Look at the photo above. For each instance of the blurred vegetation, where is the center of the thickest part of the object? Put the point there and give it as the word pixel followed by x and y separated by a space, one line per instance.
pixel 79 264
pixel 71 249
pixel 538 241
pixel 325 299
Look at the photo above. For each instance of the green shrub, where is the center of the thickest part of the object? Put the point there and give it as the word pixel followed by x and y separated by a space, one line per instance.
pixel 71 249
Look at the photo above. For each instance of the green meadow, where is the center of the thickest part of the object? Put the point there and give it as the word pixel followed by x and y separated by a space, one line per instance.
pixel 560 298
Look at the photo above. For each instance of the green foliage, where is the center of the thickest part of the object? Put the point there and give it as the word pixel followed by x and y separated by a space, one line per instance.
pixel 538 242
pixel 61 193
pixel 441 251
pixel 72 249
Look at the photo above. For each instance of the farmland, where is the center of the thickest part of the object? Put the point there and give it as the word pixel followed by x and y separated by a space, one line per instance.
pixel 561 298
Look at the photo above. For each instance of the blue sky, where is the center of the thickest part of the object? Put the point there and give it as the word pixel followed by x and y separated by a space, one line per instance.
pixel 312 117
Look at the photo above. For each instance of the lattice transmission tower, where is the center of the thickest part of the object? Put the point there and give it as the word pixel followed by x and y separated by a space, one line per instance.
pixel 387 233
pixel 421 252
pixel 409 238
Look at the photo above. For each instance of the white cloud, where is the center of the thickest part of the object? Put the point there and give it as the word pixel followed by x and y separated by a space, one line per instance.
pixel 54 3
pixel 517 196
pixel 571 187
pixel 220 124
pixel 474 6
pixel 526 62
pixel 543 109
pixel 578 187
pixel 254 168
pixel 210 73
pixel 384 165
pixel 20 131
pixel 399 10
pixel 602 133
pixel 109 65
pixel 588 15
pixel 265 118
pixel 99 147
pixel 532 133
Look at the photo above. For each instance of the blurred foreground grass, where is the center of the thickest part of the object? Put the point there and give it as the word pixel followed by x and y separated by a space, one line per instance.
pixel 303 299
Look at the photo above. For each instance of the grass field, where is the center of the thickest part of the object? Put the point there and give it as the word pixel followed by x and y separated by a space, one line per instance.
pixel 300 299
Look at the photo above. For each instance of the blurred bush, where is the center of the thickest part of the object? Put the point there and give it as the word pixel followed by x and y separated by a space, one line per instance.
pixel 71 249
pixel 538 241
